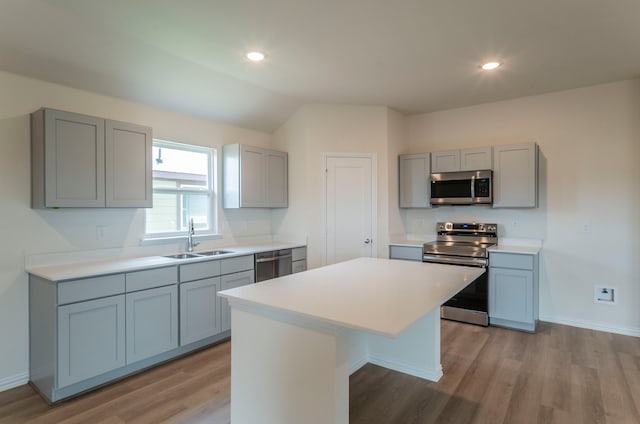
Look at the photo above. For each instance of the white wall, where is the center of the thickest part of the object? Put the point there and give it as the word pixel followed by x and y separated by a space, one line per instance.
pixel 310 132
pixel 25 231
pixel 589 142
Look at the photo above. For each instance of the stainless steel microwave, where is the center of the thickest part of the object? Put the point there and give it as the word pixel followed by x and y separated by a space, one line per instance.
pixel 462 188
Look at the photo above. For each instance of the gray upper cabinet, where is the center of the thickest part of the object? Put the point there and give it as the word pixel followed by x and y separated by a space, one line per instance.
pixel 414 174
pixel 85 161
pixel 476 159
pixel 128 165
pixel 254 177
pixel 67 160
pixel 515 182
pixel 445 161
pixel 461 160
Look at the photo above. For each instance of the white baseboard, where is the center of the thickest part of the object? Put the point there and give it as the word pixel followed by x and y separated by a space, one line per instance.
pixel 361 362
pixel 627 331
pixel 427 374
pixel 13 381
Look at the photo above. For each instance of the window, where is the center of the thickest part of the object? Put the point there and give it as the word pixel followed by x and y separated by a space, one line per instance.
pixel 183 188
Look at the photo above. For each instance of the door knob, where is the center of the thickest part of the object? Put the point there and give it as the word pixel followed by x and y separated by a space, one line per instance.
pixel 367 241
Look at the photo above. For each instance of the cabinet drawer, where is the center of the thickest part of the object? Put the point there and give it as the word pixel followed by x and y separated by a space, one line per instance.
pixel 298 254
pixel 405 252
pixel 240 263
pixel 150 278
pixel 90 288
pixel 511 260
pixel 199 270
pixel 299 266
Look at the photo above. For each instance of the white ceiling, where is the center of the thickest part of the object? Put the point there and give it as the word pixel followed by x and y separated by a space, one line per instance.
pixel 411 55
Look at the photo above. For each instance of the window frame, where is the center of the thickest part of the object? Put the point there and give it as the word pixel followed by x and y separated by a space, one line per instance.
pixel 212 192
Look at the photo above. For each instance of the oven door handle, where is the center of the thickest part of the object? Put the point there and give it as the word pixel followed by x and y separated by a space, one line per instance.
pixel 275 258
pixel 477 262
pixel 473 186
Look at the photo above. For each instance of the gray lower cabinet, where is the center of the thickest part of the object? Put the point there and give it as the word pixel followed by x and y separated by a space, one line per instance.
pixel 299 259
pixel 88 331
pixel 513 290
pixel 91 339
pixel 410 253
pixel 232 281
pixel 152 322
pixel 202 312
pixel 198 310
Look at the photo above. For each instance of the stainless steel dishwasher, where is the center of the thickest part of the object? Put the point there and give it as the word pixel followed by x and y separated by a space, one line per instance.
pixel 275 263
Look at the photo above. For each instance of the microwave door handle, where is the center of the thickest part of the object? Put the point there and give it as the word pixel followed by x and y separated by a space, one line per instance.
pixel 473 187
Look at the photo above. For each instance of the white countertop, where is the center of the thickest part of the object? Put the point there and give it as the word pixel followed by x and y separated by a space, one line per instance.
pixel 525 250
pixel 377 295
pixel 85 269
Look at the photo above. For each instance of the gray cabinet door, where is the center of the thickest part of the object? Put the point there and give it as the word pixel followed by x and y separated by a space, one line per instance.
pixel 229 282
pixel 152 322
pixel 128 165
pixel 511 295
pixel 515 176
pixel 252 177
pixel 414 176
pixel 276 179
pixel 73 160
pixel 91 339
pixel 199 317
pixel 410 253
pixel 445 161
pixel 476 159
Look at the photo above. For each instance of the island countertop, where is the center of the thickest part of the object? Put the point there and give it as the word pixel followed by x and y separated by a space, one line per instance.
pixel 381 296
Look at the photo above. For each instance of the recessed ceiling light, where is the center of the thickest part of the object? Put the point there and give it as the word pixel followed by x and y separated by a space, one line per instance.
pixel 255 56
pixel 490 65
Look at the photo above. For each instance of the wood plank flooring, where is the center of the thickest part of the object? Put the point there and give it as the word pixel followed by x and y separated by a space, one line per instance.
pixel 559 375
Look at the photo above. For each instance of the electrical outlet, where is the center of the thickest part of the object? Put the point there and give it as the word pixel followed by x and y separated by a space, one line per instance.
pixel 515 225
pixel 586 228
pixel 101 231
pixel 604 294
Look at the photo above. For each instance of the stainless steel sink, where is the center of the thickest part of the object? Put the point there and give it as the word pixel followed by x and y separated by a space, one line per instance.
pixel 183 256
pixel 215 252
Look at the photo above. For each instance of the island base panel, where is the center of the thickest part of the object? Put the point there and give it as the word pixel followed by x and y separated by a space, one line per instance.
pixel 285 373
pixel 415 351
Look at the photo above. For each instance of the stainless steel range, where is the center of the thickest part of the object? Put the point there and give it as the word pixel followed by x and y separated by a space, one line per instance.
pixel 465 244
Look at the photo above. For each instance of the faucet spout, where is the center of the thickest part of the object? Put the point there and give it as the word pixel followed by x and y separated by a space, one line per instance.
pixel 190 233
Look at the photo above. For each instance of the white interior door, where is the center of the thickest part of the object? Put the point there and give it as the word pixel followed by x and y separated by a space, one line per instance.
pixel 349 207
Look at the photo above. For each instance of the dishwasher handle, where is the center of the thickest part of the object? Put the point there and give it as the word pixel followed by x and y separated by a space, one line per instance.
pixel 275 258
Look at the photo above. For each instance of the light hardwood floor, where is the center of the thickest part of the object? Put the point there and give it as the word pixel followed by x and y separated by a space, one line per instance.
pixel 559 375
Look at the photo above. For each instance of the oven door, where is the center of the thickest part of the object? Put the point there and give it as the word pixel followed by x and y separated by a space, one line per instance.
pixel 272 264
pixel 470 304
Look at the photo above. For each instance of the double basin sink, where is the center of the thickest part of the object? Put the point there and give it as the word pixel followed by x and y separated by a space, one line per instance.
pixel 199 254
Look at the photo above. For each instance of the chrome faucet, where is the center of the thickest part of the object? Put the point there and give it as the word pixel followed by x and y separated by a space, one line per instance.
pixel 190 243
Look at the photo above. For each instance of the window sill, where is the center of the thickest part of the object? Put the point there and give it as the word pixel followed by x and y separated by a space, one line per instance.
pixel 150 240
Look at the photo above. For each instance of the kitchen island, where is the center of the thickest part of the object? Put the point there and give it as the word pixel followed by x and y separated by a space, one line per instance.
pixel 296 339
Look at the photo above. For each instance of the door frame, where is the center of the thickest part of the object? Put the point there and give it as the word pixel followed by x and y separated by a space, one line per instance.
pixel 374 198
